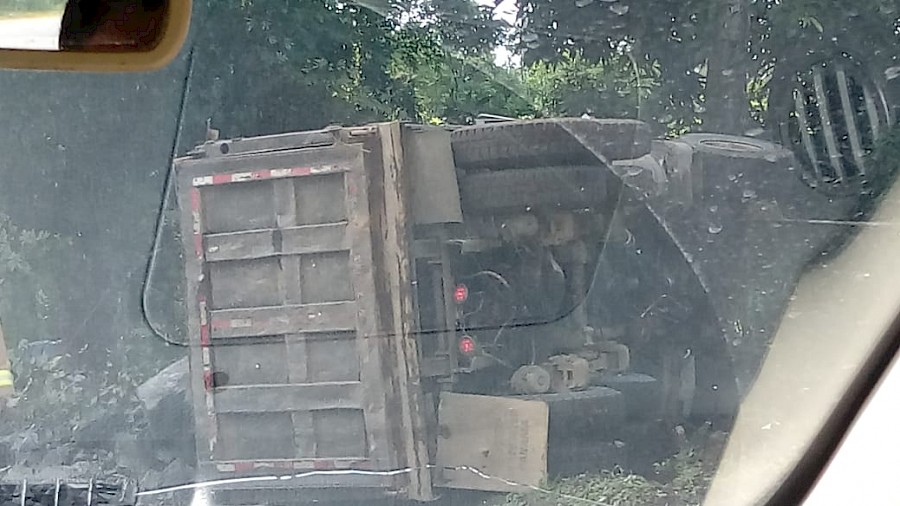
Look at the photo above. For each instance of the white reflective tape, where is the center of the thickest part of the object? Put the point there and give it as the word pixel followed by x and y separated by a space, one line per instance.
pixel 281 172
pixel 238 177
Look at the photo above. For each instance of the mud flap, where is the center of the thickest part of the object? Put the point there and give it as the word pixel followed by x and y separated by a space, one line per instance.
pixel 493 444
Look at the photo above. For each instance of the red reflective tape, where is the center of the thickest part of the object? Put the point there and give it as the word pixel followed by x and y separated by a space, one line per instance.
pixel 198 245
pixel 221 178
pixel 207 379
pixel 243 467
pixel 323 465
pixel 301 171
pixel 204 335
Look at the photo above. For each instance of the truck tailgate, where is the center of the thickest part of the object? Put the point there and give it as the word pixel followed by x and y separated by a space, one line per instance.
pixel 293 357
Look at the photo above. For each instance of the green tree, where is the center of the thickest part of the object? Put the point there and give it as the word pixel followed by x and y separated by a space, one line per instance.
pixel 709 52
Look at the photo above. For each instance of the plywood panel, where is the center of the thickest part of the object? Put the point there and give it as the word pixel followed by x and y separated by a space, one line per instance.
pixel 506 440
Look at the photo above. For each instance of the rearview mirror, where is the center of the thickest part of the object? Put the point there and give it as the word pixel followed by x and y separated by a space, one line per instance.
pixel 93 35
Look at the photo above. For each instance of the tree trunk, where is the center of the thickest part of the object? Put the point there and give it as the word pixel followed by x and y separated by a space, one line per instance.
pixel 727 105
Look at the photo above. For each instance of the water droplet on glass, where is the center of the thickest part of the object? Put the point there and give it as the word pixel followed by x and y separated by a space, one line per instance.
pixel 748 194
pixel 583 3
pixel 727 72
pixel 714 228
pixel 713 209
pixel 619 9
pixel 771 157
pixel 632 171
pixel 892 73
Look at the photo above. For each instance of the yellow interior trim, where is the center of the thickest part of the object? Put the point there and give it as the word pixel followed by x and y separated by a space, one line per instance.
pixel 174 32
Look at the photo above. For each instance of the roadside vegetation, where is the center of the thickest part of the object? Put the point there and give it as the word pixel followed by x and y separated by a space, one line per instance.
pixel 680 480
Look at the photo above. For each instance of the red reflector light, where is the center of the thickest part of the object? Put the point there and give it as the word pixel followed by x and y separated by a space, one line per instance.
pixel 461 294
pixel 466 345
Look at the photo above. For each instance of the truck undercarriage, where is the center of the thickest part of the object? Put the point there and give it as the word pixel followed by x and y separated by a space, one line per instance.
pixel 356 292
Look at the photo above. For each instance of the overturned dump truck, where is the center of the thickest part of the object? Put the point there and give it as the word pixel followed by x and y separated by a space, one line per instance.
pixel 397 309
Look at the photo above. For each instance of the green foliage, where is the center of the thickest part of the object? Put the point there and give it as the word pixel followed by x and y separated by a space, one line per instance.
pixel 683 38
pixel 612 488
pixel 679 480
pixel 614 87
pixel 453 88
pixel 271 66
pixel 424 60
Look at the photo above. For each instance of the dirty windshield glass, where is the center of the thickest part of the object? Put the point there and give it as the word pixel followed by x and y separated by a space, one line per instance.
pixel 521 252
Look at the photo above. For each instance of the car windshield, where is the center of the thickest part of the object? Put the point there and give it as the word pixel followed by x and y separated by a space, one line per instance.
pixel 521 252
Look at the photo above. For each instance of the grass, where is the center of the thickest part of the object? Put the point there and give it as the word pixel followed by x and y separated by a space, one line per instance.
pixel 681 480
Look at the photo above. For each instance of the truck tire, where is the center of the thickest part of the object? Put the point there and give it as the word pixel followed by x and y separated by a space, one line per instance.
pixel 560 187
pixel 525 144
